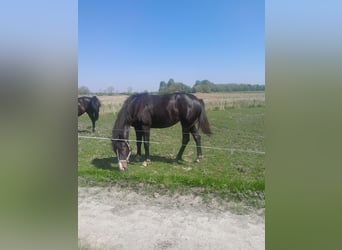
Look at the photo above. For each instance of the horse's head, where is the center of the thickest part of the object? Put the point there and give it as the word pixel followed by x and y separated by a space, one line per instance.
pixel 123 152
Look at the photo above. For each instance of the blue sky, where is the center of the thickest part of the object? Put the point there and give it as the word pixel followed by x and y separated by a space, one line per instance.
pixel 134 45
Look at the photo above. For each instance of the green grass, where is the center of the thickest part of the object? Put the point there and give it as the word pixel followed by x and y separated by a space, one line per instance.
pixel 225 171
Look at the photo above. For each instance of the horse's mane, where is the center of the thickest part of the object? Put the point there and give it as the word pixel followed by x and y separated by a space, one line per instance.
pixel 123 117
pixel 132 106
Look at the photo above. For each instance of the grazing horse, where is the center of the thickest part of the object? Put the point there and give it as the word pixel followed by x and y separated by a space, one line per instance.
pixel 91 106
pixel 145 111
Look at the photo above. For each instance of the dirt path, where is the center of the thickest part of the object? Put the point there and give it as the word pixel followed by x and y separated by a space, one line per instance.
pixel 109 218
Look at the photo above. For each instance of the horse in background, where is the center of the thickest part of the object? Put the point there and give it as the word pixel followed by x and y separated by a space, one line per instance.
pixel 145 111
pixel 91 106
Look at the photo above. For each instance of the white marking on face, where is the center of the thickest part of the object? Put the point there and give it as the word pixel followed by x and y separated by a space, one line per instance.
pixel 123 165
pixel 121 168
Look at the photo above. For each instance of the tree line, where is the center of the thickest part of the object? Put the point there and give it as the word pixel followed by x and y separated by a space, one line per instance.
pixel 203 86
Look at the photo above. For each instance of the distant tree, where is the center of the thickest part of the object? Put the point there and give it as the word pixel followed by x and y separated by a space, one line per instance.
pixel 162 87
pixel 83 90
pixel 171 87
pixel 110 90
pixel 170 82
pixel 204 86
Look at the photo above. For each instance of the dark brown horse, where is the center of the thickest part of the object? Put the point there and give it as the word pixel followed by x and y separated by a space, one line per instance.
pixel 145 111
pixel 91 106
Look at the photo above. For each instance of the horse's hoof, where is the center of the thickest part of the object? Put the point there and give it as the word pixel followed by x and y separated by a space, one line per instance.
pixel 144 164
pixel 198 158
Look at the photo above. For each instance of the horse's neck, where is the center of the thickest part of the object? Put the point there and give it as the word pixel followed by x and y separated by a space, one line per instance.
pixel 126 131
pixel 122 131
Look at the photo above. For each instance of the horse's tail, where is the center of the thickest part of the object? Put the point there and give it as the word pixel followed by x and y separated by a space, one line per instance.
pixel 203 122
pixel 95 104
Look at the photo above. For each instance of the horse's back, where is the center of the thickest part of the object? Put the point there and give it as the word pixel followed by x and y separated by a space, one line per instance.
pixel 161 111
pixel 89 104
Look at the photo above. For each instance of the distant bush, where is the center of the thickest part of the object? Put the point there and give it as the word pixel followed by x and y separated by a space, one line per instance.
pixel 206 86
pixel 83 90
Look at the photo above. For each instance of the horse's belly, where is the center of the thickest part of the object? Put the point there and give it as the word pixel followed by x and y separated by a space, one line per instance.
pixel 162 124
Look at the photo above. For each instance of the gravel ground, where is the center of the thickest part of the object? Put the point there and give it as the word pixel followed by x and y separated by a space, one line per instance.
pixel 113 218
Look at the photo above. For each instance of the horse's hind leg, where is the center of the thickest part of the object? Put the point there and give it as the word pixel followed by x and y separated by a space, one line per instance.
pixel 185 140
pixel 93 123
pixel 197 139
pixel 92 118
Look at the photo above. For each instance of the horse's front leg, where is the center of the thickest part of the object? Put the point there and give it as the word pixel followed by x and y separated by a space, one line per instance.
pixel 146 145
pixel 139 136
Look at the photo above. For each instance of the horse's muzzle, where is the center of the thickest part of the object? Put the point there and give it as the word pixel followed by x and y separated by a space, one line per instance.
pixel 123 165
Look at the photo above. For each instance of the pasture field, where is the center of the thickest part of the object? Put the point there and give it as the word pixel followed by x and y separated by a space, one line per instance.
pixel 233 164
